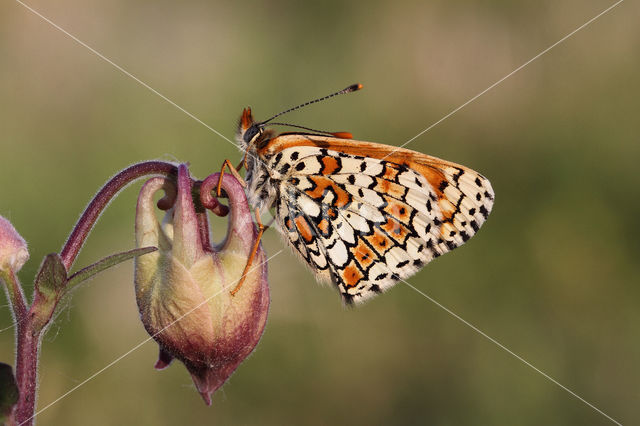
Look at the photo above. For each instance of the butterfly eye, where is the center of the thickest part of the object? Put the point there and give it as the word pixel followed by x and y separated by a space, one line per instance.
pixel 251 133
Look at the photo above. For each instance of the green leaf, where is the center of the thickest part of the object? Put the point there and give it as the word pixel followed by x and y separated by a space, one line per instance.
pixel 52 277
pixel 8 391
pixel 107 262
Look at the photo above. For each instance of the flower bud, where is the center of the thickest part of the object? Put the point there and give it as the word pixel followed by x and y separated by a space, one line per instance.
pixel 13 248
pixel 184 289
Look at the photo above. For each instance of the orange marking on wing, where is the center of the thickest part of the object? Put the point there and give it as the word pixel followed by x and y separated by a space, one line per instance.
pixel 395 229
pixel 435 178
pixel 351 275
pixel 382 186
pixel 379 241
pixel 323 226
pixel 304 229
pixel 322 184
pixel 391 188
pixel 396 209
pixel 448 211
pixel 332 213
pixel 329 165
pixel 390 173
pixel 287 223
pixel 363 254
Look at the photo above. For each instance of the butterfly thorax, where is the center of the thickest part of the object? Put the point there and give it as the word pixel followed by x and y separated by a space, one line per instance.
pixel 261 184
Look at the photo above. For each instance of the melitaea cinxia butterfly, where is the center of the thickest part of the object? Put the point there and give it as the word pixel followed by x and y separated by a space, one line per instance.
pixel 362 215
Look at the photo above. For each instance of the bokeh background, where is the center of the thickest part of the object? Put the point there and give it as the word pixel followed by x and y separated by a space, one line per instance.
pixel 553 275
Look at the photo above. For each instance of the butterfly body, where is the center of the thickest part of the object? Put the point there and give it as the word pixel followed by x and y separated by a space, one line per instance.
pixel 361 215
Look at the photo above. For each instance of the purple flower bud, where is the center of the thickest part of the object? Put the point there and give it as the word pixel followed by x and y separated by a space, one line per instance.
pixel 184 289
pixel 13 248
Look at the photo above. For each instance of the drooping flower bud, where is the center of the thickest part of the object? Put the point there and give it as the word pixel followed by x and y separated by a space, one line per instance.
pixel 184 289
pixel 13 248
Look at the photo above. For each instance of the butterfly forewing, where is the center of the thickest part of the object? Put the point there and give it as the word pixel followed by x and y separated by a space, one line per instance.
pixel 365 222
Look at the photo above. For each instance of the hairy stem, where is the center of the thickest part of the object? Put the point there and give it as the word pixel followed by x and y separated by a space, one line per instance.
pixel 27 340
pixel 101 199
pixel 16 295
pixel 28 344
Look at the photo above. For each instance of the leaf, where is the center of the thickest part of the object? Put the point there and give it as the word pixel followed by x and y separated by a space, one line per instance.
pixel 52 277
pixel 8 391
pixel 91 270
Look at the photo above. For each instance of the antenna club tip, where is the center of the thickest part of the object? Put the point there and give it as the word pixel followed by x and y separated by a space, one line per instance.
pixel 354 87
pixel 342 135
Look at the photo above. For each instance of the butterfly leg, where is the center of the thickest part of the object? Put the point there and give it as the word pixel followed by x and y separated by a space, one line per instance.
pixel 234 172
pixel 254 250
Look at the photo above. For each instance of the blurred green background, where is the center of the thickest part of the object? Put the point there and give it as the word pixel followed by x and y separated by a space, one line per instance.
pixel 553 274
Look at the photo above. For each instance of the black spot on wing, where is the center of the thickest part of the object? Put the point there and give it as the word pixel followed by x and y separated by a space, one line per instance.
pixel 284 169
pixel 456 177
pixel 403 263
pixel 484 212
pixel 375 288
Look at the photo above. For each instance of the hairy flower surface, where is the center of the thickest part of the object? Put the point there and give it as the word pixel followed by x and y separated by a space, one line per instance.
pixel 184 289
pixel 13 248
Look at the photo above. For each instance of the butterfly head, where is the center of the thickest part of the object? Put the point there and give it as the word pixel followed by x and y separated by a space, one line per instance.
pixel 249 131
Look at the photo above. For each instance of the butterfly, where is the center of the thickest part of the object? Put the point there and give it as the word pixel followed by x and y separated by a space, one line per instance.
pixel 361 215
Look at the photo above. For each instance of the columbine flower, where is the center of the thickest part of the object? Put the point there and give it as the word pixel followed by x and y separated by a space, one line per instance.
pixel 13 248
pixel 184 289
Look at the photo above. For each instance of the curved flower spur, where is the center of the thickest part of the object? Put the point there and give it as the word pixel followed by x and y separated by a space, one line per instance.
pixel 184 290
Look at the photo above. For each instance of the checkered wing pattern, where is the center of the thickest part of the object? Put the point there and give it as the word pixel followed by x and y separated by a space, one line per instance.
pixel 365 223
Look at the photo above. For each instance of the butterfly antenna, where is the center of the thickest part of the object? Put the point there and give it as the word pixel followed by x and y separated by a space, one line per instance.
pixel 352 88
pixel 344 135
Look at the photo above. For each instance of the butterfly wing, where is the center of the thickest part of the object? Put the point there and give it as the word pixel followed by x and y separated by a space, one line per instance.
pixel 365 216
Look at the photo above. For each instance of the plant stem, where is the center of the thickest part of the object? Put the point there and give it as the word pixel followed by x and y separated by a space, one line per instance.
pixel 28 344
pixel 27 350
pixel 16 295
pixel 102 198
